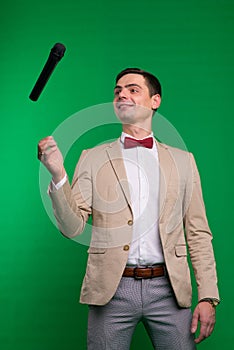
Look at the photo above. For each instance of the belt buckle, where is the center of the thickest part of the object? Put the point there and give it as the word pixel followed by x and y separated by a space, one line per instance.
pixel 141 277
pixel 135 274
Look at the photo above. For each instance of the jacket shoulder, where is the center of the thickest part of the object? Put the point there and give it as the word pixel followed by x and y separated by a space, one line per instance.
pixel 102 147
pixel 182 159
pixel 174 150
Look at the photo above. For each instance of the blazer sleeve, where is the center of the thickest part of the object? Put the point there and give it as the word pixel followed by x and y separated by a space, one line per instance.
pixel 72 203
pixel 199 239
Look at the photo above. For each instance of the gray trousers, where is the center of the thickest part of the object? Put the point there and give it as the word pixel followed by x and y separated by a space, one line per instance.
pixel 151 301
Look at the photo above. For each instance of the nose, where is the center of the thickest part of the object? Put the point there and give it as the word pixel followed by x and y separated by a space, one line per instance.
pixel 123 94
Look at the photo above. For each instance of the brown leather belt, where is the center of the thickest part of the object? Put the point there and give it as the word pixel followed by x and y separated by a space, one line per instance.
pixel 145 272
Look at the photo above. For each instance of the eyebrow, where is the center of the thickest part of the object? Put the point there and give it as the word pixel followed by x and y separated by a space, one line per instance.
pixel 128 85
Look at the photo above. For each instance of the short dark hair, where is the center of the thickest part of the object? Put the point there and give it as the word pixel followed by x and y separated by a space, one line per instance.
pixel 152 82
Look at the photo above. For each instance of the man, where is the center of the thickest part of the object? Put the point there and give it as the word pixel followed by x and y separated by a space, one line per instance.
pixel 146 204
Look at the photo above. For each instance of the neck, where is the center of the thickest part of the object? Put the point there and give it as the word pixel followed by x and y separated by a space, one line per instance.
pixel 136 131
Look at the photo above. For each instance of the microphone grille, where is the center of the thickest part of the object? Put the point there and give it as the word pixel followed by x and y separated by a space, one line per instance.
pixel 58 50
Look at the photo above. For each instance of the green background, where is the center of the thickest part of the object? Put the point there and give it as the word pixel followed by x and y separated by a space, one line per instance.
pixel 189 45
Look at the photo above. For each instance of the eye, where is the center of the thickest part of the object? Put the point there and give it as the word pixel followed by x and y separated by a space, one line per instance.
pixel 116 92
pixel 134 90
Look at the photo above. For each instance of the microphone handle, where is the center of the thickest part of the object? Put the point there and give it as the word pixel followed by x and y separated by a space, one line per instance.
pixel 44 76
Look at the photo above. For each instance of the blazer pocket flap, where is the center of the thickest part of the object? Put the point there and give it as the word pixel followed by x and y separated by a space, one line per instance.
pixel 94 250
pixel 181 250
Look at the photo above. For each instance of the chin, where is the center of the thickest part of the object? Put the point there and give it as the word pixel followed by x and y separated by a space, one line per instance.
pixel 126 118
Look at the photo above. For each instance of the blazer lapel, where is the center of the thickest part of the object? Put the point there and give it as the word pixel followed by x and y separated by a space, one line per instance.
pixel 116 159
pixel 165 169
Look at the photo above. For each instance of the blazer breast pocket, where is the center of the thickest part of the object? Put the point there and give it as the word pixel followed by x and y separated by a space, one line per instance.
pixel 94 250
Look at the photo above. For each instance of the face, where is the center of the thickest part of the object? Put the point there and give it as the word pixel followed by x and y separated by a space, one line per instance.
pixel 132 101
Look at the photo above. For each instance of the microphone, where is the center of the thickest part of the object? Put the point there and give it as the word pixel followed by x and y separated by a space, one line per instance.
pixel 56 53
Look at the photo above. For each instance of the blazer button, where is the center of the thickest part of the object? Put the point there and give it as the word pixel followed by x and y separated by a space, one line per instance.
pixel 126 247
pixel 130 222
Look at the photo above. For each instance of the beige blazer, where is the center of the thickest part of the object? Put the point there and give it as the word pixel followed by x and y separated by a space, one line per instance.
pixel 100 188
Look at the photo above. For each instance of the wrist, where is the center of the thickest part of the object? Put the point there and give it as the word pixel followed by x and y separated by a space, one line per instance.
pixel 211 301
pixel 58 177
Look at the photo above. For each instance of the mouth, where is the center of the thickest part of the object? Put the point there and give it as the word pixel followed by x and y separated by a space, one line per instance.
pixel 123 105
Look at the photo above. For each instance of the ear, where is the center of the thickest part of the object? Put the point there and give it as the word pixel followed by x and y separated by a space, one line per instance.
pixel 156 101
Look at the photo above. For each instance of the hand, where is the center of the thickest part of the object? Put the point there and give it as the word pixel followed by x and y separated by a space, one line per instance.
pixel 205 313
pixel 50 155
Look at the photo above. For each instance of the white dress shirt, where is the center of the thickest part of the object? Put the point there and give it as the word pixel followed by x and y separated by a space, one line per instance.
pixel 142 168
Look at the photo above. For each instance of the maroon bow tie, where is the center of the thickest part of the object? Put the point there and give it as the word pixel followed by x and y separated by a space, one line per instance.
pixel 130 142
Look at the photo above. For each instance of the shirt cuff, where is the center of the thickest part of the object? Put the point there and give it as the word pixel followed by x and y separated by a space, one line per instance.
pixel 56 187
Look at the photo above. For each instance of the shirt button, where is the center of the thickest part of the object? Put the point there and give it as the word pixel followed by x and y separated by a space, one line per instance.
pixel 130 222
pixel 126 247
